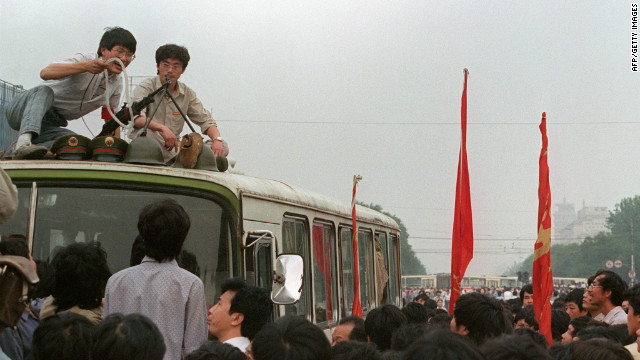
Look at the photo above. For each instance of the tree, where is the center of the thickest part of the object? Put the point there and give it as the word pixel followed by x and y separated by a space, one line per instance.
pixel 410 263
pixel 584 259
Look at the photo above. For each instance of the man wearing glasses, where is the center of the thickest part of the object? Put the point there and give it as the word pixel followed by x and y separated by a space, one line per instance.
pixel 73 88
pixel 606 293
pixel 167 123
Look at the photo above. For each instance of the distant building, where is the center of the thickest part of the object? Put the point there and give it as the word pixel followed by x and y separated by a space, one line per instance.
pixel 573 227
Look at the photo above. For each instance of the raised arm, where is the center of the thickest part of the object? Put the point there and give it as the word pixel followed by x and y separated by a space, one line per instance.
pixel 60 70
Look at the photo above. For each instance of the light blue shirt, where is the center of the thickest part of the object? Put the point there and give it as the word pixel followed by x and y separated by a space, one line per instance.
pixel 170 296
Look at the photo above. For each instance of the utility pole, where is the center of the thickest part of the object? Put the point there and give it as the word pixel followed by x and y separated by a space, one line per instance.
pixel 633 267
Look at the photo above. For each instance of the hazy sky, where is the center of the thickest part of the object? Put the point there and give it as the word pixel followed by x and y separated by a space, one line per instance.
pixel 313 92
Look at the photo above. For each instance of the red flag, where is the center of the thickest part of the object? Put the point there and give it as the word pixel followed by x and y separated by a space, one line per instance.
pixel 542 276
pixel 357 308
pixel 462 240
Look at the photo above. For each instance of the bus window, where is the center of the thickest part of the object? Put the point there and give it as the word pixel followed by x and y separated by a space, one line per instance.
pixel 324 273
pixel 65 215
pixel 19 222
pixel 346 251
pixel 366 274
pixel 294 241
pixel 382 239
pixel 393 270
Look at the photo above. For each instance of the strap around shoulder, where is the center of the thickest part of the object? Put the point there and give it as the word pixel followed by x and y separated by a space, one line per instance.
pixel 23 265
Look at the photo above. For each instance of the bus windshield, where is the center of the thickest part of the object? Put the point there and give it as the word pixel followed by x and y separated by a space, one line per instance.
pixel 68 214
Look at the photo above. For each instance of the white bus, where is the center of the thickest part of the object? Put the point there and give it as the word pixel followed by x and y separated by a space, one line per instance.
pixel 239 225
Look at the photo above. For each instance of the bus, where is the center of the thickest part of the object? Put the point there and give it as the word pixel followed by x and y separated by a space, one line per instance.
pixel 443 280
pixel 239 225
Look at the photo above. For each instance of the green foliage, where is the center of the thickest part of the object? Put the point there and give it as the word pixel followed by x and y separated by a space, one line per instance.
pixel 583 260
pixel 410 263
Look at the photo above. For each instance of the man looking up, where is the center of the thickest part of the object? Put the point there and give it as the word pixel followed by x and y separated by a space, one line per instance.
pixel 158 288
pixel 73 88
pixel 606 293
pixel 167 123
pixel 240 313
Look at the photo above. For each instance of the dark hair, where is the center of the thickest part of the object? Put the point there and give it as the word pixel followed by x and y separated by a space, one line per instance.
pixel 137 251
pixel 558 304
pixel 133 336
pixel 164 226
pixel 415 313
pixel 173 51
pixel 483 317
pixel 114 36
pixel 441 321
pixel 14 245
pixel 614 283
pixel 290 338
pixel 559 323
pixel 354 350
pixel 537 338
pixel 65 336
pixel 575 296
pixel 528 288
pixel 600 349
pixel 380 324
pixel 507 347
pixel 443 345
pixel 404 336
pixel 357 333
pixel 633 296
pixel 595 332
pixel 578 324
pixel 421 296
pixel 529 317
pixel 215 350
pixel 430 304
pixel 252 302
pixel 80 274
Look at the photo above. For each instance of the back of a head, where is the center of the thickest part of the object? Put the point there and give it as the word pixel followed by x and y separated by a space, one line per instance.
pixel 380 324
pixel 358 332
pixel 440 321
pixel 14 245
pixel 633 296
pixel 443 345
pixel 559 323
pixel 404 336
pixel 596 332
pixel 290 338
pixel 415 313
pixel 80 274
pixel 599 349
pixel 508 347
pixel 163 226
pixel 132 336
pixel 64 336
pixel 537 337
pixel 482 316
pixel 215 350
pixel 354 350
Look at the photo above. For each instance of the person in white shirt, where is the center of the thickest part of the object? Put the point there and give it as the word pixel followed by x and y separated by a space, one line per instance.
pixel 240 313
pixel 606 292
pixel 73 88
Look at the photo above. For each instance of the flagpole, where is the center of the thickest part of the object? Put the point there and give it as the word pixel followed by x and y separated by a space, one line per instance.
pixel 357 307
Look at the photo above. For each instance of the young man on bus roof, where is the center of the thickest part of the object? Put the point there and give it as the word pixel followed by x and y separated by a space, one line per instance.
pixel 73 88
pixel 167 123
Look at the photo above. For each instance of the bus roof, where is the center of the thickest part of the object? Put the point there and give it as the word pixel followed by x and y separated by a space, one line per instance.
pixel 239 185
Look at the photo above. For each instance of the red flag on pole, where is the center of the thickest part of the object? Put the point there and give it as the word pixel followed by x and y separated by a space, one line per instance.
pixel 357 308
pixel 462 240
pixel 542 276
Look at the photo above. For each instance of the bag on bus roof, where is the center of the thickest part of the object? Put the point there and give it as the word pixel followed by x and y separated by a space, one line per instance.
pixel 18 278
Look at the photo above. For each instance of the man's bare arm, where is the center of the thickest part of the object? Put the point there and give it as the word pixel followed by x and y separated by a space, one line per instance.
pixel 60 70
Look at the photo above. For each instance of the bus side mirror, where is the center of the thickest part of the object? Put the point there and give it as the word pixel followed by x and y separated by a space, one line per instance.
pixel 287 279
